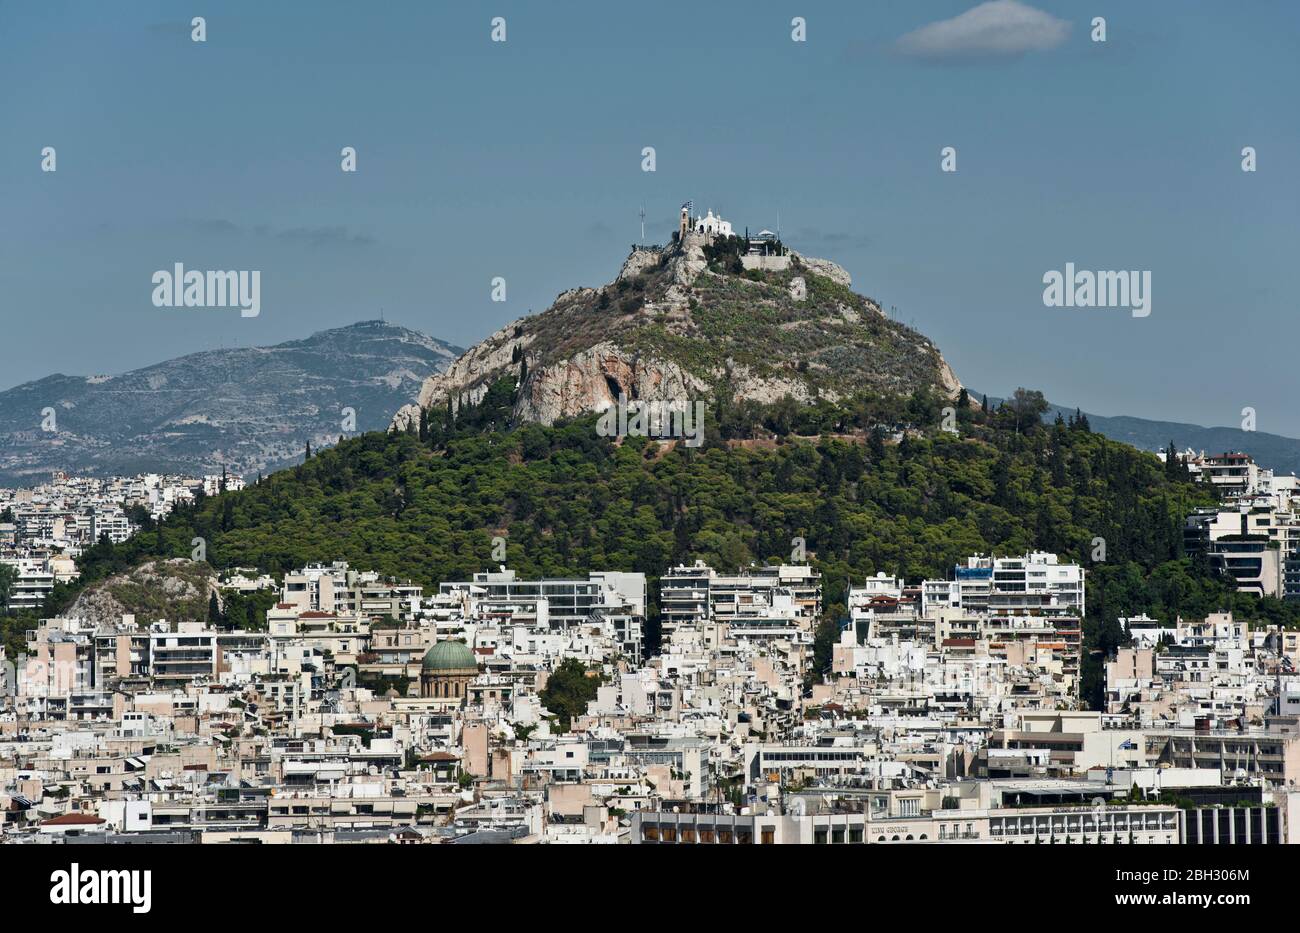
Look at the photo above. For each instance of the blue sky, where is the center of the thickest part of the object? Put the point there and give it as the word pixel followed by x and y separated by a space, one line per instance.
pixel 523 160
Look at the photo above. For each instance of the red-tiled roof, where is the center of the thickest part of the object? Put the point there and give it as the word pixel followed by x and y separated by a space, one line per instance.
pixel 439 756
pixel 73 819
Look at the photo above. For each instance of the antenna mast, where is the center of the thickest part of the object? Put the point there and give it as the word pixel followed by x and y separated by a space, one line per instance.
pixel 642 212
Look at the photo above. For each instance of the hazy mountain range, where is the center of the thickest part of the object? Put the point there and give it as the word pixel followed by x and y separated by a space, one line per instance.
pixel 253 410
pixel 1281 454
pixel 247 409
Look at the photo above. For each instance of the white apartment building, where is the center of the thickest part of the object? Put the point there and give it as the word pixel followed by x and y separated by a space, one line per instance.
pixel 337 588
pixel 1254 538
pixel 110 522
pixel 698 593
pixel 568 601
pixel 35 580
pixel 1037 581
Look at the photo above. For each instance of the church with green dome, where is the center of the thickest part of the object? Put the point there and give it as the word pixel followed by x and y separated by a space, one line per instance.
pixel 447 670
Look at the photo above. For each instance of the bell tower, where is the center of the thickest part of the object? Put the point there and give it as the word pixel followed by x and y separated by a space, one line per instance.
pixel 684 226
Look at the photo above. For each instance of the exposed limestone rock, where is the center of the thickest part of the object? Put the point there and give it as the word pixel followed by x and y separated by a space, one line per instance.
pixel 676 298
pixel 574 294
pixel 767 389
pixel 593 379
pixel 669 328
pixel 949 378
pixel 638 262
pixel 831 270
pixel 176 590
pixel 688 260
pixel 467 379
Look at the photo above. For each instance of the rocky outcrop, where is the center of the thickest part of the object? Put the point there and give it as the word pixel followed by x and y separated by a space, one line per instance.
pixel 670 327
pixel 951 384
pixel 176 590
pixel 687 261
pixel 468 377
pixel 642 258
pixel 595 378
pixel 763 389
pixel 831 270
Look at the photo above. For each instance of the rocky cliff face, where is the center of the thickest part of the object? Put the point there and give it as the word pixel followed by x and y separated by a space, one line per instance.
pixel 671 326
pixel 176 590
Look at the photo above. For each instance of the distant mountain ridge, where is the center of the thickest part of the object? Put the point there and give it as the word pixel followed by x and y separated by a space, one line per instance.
pixel 1278 453
pixel 245 409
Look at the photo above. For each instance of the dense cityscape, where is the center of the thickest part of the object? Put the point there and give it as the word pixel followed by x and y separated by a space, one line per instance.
pixel 687 425
pixel 362 709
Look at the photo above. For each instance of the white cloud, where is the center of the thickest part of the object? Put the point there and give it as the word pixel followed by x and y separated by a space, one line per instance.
pixel 999 28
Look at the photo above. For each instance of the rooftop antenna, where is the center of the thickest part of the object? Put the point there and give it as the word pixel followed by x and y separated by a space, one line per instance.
pixel 642 213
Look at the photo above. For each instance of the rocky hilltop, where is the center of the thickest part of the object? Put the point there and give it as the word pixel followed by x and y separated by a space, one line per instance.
pixel 246 409
pixel 687 321
pixel 176 590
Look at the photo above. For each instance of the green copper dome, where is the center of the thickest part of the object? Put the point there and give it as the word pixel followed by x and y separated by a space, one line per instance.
pixel 449 656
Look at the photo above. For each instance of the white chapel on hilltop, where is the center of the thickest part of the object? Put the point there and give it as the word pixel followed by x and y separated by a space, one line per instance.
pixel 714 226
pixel 709 224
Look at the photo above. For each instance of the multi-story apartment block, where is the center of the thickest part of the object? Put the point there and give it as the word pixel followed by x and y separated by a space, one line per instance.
pixel 561 603
pixel 34 579
pixel 338 589
pixel 698 593
pixel 1034 582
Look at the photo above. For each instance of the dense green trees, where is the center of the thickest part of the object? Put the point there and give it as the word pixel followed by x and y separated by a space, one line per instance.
pixel 723 254
pixel 568 500
pixel 568 690
pixel 247 610
pixel 7 576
